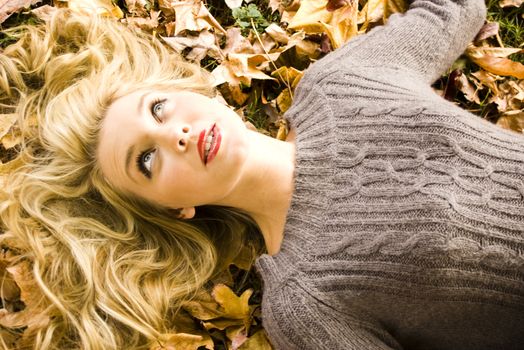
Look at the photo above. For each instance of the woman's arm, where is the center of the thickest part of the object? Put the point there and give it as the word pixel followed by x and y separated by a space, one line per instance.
pixel 426 39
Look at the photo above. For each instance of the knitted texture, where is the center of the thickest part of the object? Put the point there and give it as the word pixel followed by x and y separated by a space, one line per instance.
pixel 406 224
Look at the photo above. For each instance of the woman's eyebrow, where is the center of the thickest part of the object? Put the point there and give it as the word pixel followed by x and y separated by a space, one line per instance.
pixel 140 107
pixel 131 150
pixel 129 156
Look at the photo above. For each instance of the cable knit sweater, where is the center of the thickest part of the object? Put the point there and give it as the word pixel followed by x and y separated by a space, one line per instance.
pixel 406 224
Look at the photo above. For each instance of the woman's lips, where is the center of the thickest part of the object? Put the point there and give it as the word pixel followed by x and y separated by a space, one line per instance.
pixel 215 145
pixel 201 144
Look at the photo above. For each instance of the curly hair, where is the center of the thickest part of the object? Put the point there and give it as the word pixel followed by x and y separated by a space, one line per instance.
pixel 112 266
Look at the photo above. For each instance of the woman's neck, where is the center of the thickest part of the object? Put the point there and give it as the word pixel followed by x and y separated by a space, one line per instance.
pixel 266 186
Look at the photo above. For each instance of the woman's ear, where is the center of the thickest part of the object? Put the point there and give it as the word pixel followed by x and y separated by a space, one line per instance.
pixel 185 213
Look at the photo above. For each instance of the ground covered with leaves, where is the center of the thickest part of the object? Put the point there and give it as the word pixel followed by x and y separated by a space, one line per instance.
pixel 257 52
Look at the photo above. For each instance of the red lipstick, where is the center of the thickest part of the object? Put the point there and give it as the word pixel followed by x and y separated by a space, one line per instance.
pixel 215 144
pixel 201 144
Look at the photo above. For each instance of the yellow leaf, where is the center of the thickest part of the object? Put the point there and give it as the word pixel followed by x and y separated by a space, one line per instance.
pixel 233 306
pixel 100 7
pixel 222 323
pixel 183 341
pixel 284 100
pixel 257 341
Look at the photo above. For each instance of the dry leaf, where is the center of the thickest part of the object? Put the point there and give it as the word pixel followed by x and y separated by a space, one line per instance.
pixel 258 341
pixel 33 316
pixel 192 15
pixel 9 290
pixel 313 17
pixel 201 45
pixel 275 5
pixel 236 42
pixel 488 30
pixel 233 95
pixel 137 7
pixel 8 7
pixel 494 64
pixel 507 3
pixel 6 122
pixel 304 47
pixel 265 44
pixel 277 33
pixel 44 12
pixel 237 335
pixel 183 341
pixel 394 6
pixel 233 306
pixel 241 68
pixel 148 23
pixel 468 89
pixel 233 3
pixel 512 121
pixel 101 7
pixel 10 166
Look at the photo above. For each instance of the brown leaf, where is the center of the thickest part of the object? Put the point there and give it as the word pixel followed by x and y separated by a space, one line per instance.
pixel 233 94
pixel 496 65
pixel 468 89
pixel 512 121
pixel 333 5
pixel 8 7
pixel 9 290
pixel 488 30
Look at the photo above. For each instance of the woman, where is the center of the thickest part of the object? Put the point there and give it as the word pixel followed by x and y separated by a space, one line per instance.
pixel 394 219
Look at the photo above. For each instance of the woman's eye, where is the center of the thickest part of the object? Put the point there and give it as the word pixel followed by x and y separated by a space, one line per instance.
pixel 157 107
pixel 145 162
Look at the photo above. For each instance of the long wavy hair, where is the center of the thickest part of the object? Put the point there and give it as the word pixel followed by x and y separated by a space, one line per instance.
pixel 112 266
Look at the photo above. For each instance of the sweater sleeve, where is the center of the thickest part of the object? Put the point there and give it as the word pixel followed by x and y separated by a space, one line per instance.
pixel 426 39
pixel 296 320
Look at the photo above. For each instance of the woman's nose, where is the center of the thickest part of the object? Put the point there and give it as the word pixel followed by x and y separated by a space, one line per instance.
pixel 177 136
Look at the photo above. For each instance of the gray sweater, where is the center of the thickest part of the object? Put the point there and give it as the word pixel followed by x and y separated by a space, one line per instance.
pixel 406 225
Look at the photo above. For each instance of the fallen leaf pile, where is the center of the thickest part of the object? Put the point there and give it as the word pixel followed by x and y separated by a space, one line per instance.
pixel 257 52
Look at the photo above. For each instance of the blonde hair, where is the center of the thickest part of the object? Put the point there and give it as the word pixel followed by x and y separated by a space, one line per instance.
pixel 112 266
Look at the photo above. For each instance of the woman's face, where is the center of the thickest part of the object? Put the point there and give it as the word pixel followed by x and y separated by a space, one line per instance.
pixel 149 147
